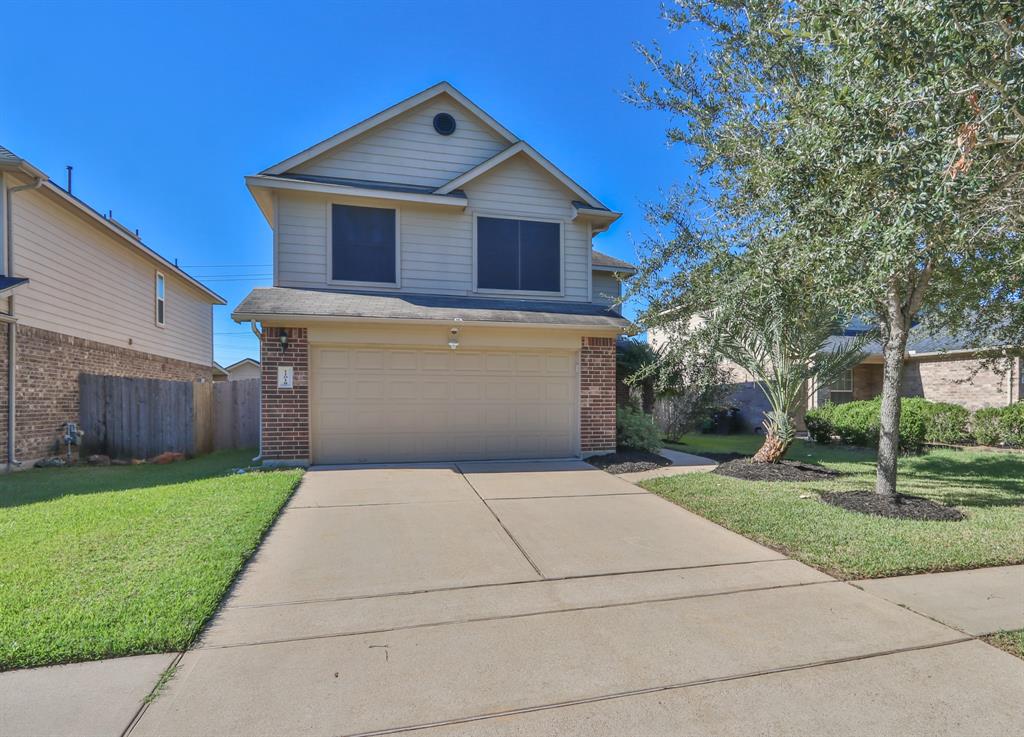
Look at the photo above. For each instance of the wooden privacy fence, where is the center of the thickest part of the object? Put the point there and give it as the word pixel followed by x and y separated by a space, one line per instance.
pixel 139 418
pixel 236 414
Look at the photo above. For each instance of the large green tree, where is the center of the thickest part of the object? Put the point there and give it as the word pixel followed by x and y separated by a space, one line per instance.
pixel 877 146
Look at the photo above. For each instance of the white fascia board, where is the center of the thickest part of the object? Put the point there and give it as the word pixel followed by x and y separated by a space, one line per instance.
pixel 257 182
pixel 614 269
pixel 386 115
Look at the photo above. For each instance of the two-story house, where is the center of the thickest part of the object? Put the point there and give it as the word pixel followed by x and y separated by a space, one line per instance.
pixel 80 293
pixel 436 296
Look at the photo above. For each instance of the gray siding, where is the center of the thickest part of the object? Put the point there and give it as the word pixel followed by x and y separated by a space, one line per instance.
pixel 407 149
pixel 436 244
pixel 607 289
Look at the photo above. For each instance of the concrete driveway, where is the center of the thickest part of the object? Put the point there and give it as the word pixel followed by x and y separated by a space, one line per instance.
pixel 549 598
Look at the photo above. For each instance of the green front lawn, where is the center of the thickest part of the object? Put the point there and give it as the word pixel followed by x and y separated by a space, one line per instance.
pixel 988 487
pixel 99 562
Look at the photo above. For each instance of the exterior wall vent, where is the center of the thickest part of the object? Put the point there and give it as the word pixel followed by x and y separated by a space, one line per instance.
pixel 444 124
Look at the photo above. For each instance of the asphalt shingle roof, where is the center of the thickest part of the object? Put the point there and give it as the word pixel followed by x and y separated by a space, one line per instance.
pixel 604 260
pixel 324 303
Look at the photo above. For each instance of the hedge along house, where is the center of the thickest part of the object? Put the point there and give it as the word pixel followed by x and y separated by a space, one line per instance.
pixel 436 296
pixel 80 293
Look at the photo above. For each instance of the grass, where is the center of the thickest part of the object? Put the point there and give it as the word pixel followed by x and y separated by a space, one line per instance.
pixel 100 562
pixel 1012 641
pixel 987 487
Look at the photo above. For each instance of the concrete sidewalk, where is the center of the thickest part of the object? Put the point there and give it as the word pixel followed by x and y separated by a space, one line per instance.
pixel 978 602
pixel 97 699
pixel 681 463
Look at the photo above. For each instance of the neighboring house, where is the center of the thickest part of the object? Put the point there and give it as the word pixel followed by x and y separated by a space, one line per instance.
pixel 219 374
pixel 80 293
pixel 244 369
pixel 938 368
pixel 435 296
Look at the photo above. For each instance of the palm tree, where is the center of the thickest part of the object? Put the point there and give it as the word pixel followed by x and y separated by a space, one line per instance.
pixel 787 348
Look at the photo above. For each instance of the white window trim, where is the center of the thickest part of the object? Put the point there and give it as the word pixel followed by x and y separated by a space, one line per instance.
pixel 844 392
pixel 157 299
pixel 397 283
pixel 520 292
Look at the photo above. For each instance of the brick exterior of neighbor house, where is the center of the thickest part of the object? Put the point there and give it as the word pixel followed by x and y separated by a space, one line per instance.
pixel 964 381
pixel 284 415
pixel 597 395
pixel 48 367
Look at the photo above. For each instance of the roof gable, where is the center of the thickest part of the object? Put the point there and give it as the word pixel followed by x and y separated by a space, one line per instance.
pixel 521 148
pixel 431 94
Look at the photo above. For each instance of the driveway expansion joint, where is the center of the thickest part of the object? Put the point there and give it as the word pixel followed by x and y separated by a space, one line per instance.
pixel 584 576
pixel 520 615
pixel 657 689
pixel 498 520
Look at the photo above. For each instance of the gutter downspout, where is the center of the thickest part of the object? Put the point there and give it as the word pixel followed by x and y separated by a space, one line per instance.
pixel 12 325
pixel 259 337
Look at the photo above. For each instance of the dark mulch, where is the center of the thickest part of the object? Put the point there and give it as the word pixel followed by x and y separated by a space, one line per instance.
pixel 783 471
pixel 722 457
pixel 903 507
pixel 628 461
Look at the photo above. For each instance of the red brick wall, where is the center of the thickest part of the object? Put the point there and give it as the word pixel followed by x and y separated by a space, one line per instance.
pixel 284 414
pixel 48 365
pixel 597 395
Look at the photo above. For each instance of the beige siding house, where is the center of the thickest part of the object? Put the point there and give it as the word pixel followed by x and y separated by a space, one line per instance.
pixel 242 370
pixel 91 297
pixel 436 296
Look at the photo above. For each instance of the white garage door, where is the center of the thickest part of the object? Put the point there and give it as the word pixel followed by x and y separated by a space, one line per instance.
pixel 388 404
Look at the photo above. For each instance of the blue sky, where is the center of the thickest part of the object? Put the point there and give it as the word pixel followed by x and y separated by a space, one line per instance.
pixel 163 108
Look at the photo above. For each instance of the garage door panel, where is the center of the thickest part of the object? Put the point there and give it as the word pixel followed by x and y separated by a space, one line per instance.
pixel 392 405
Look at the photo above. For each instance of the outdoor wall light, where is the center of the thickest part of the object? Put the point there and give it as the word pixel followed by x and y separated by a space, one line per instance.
pixel 283 340
pixel 453 339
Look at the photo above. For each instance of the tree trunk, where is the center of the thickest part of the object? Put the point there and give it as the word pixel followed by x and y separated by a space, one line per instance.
pixel 893 351
pixel 773 449
pixel 647 397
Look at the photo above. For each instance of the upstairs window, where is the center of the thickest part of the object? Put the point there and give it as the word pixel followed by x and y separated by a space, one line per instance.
pixel 363 244
pixel 518 255
pixel 159 295
pixel 840 391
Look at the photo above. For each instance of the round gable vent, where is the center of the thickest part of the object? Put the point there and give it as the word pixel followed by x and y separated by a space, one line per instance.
pixel 444 124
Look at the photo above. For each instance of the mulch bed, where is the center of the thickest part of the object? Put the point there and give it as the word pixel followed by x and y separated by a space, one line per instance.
pixel 903 507
pixel 742 468
pixel 722 457
pixel 629 461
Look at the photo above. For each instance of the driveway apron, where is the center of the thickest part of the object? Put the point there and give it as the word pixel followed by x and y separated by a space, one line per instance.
pixel 522 598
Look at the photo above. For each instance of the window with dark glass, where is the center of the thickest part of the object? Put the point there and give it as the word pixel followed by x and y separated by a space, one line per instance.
pixel 522 255
pixel 362 244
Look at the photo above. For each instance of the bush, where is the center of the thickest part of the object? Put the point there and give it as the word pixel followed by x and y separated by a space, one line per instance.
pixel 1011 425
pixel 859 423
pixel 946 423
pixel 985 425
pixel 634 429
pixel 819 423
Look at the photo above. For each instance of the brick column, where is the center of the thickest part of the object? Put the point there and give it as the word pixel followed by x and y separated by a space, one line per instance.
pixel 284 416
pixel 597 395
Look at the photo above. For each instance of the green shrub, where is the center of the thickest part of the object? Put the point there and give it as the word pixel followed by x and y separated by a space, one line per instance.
pixel 985 426
pixel 819 423
pixel 859 423
pixel 634 429
pixel 1011 425
pixel 946 423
